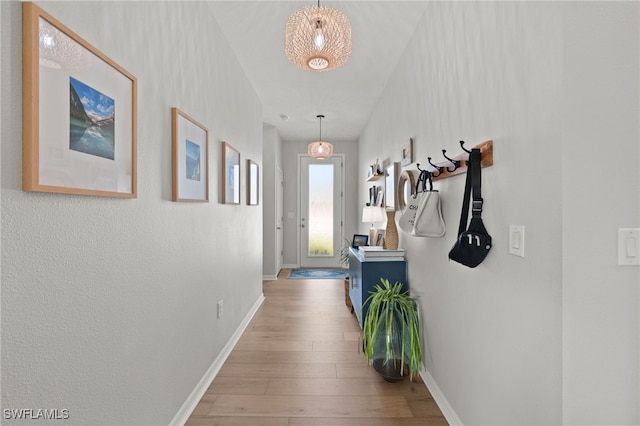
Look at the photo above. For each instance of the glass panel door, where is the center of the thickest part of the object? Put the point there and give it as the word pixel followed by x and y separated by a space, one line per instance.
pixel 320 211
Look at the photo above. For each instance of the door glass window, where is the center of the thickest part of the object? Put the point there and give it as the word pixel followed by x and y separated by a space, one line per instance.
pixel 320 225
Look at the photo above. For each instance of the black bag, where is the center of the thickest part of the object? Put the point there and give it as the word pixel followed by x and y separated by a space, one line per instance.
pixel 474 242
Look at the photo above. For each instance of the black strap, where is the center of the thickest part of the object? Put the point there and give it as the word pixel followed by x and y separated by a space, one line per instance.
pixel 474 181
pixel 425 176
pixel 476 210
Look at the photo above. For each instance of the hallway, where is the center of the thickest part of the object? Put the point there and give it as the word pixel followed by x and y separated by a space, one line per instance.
pixel 298 363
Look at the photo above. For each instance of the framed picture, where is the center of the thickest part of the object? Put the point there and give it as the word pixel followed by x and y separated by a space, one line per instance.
pixel 230 175
pixel 359 240
pixel 390 184
pixel 190 165
pixel 380 237
pixel 79 113
pixel 253 186
pixel 407 153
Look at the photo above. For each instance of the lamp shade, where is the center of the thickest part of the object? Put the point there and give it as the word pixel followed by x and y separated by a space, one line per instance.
pixel 371 214
pixel 318 38
pixel 320 150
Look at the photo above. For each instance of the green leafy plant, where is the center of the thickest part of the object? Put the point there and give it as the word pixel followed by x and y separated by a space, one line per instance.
pixel 392 330
pixel 344 253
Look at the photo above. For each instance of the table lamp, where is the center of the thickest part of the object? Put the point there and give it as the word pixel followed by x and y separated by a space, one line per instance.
pixel 371 214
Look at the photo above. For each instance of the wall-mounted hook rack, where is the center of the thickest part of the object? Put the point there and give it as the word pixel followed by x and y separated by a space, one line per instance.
pixel 456 163
pixel 486 154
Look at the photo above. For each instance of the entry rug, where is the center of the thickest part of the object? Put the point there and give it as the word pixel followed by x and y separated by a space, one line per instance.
pixel 317 273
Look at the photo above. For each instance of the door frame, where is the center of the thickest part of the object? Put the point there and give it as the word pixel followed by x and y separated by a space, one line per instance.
pixel 299 207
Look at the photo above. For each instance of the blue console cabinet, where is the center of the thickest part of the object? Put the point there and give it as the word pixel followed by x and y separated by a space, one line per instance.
pixel 364 275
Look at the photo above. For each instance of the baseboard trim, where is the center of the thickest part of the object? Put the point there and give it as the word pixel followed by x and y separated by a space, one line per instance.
pixel 290 266
pixel 269 277
pixel 441 400
pixel 196 395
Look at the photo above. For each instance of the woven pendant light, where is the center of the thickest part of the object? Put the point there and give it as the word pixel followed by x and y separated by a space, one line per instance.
pixel 320 149
pixel 318 38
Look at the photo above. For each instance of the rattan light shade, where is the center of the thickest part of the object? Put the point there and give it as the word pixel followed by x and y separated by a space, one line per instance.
pixel 318 38
pixel 320 150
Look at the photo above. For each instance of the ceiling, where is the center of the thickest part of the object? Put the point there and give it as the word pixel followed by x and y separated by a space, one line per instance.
pixel 347 95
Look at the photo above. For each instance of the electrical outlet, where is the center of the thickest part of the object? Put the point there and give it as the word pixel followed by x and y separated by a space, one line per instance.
pixel 220 308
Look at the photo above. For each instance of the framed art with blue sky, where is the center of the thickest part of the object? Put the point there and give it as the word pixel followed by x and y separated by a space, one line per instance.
pixel 230 175
pixel 190 153
pixel 79 113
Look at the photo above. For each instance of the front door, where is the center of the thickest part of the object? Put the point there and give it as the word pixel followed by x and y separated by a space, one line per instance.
pixel 321 211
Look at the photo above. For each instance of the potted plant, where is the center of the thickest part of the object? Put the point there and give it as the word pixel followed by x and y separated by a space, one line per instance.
pixel 391 332
pixel 344 261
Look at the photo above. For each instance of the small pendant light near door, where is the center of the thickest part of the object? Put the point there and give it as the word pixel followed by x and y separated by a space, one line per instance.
pixel 320 149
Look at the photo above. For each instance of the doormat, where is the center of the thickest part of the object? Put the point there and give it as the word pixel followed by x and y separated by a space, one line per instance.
pixel 310 274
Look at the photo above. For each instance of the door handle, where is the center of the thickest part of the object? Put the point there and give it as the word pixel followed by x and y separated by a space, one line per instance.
pixel 277 227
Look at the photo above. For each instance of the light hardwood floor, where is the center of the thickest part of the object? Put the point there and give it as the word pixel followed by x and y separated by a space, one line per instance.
pixel 299 362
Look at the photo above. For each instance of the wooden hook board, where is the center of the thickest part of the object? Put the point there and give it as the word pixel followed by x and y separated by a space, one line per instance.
pixel 486 155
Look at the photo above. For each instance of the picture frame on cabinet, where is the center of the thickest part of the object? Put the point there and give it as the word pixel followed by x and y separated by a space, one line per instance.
pixel 79 113
pixel 359 240
pixel 253 183
pixel 380 237
pixel 190 153
pixel 230 181
pixel 406 155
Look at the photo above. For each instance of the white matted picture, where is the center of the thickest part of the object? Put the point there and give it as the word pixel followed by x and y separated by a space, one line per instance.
pixel 253 183
pixel 230 193
pixel 390 184
pixel 190 166
pixel 406 157
pixel 79 113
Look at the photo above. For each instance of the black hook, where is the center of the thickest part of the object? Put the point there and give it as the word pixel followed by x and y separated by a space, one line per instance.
pixel 438 168
pixel 463 148
pixel 455 163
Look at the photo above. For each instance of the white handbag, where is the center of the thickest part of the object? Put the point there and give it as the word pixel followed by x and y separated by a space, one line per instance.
pixel 422 217
pixel 429 221
pixel 408 214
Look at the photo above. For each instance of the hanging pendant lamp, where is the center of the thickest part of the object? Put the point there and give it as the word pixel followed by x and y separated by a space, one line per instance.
pixel 318 38
pixel 320 149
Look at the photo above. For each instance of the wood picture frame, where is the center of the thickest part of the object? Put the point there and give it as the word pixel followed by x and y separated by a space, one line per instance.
pixel 79 113
pixel 253 183
pixel 406 155
pixel 230 181
pixel 190 158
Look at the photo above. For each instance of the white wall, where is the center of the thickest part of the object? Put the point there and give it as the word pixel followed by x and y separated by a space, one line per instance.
pixel 601 129
pixel 553 337
pixel 109 305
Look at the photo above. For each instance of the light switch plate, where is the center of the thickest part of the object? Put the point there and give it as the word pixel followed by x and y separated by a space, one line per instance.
pixel 516 240
pixel 628 246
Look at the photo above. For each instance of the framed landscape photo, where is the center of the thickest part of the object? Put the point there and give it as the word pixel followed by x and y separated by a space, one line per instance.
pixel 253 183
pixel 190 165
pixel 79 113
pixel 230 175
pixel 359 240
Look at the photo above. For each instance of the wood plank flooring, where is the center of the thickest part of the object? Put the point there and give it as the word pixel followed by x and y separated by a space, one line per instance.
pixel 300 363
